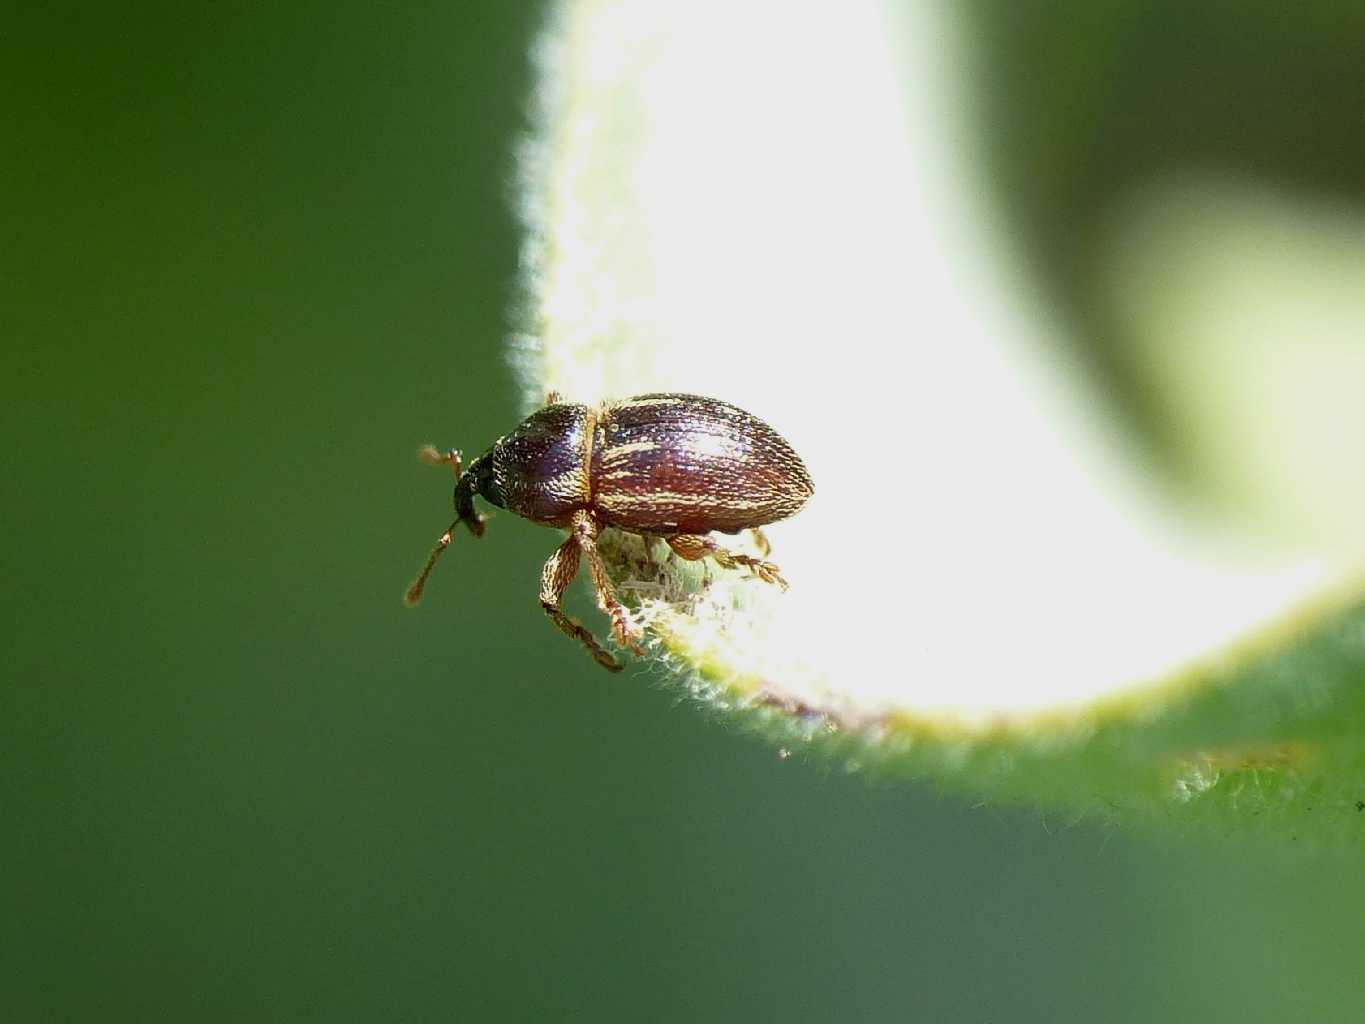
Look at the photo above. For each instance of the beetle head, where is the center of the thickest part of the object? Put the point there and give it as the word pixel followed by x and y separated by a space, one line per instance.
pixel 482 479
pixel 477 478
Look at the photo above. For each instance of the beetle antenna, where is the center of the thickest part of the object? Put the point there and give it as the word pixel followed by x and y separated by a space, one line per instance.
pixel 433 456
pixel 414 592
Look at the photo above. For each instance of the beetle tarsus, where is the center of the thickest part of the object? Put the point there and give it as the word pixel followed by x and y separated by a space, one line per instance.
pixel 555 577
pixel 694 548
pixel 624 632
pixel 574 631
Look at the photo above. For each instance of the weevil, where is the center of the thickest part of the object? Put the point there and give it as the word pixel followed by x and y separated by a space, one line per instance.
pixel 669 466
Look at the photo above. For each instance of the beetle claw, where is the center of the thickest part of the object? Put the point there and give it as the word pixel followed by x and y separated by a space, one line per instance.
pixel 625 633
pixel 769 573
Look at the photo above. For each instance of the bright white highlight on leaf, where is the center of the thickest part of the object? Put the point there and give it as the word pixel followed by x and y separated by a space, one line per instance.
pixel 775 205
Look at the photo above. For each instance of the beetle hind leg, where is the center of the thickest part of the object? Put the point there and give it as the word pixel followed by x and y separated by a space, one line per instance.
pixel 694 548
pixel 555 578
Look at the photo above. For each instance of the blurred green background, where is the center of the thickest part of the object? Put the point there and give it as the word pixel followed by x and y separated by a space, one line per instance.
pixel 253 256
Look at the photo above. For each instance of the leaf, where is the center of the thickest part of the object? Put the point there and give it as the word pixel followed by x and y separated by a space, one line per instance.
pixel 994 585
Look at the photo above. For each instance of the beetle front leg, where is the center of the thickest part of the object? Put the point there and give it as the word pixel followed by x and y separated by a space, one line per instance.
pixel 555 578
pixel 585 530
pixel 694 548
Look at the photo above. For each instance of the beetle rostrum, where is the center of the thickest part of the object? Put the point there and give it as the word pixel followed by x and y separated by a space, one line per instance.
pixel 669 466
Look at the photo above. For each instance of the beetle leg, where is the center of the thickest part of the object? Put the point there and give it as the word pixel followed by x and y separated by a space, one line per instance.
pixel 761 541
pixel 694 548
pixel 555 578
pixel 585 531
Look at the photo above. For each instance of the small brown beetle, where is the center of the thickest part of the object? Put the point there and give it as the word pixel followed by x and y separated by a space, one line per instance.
pixel 671 466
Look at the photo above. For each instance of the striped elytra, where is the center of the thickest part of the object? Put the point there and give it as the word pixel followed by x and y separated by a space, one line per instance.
pixel 686 464
pixel 667 465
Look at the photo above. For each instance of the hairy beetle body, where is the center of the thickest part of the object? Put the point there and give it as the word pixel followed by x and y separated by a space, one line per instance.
pixel 667 465
pixel 681 464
